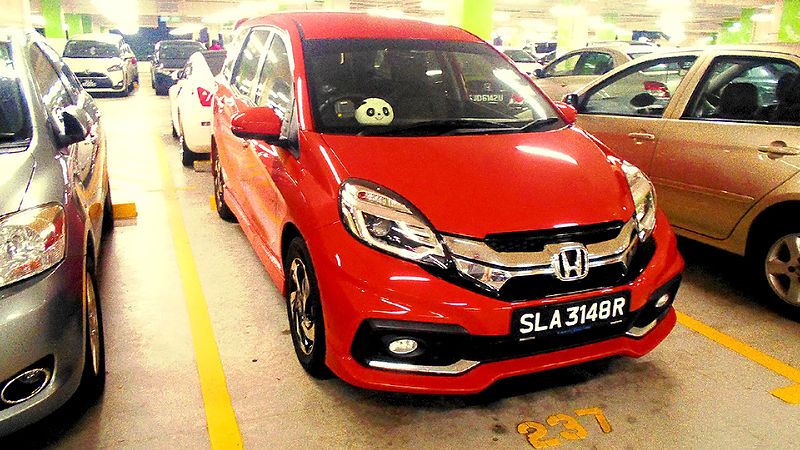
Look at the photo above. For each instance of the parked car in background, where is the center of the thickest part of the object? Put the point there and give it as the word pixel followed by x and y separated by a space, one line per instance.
pixel 576 68
pixel 190 103
pixel 718 131
pixel 102 62
pixel 54 205
pixel 523 60
pixel 509 243
pixel 168 58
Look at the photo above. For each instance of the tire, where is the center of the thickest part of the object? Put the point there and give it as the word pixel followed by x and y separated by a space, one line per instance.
pixel 161 91
pixel 93 379
pixel 188 157
pixel 776 261
pixel 174 132
pixel 304 310
pixel 223 210
pixel 108 212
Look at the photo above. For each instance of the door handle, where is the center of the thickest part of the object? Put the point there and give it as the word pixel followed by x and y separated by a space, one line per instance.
pixel 642 136
pixel 779 148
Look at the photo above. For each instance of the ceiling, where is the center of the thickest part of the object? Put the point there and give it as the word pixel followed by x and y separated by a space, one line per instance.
pixel 526 17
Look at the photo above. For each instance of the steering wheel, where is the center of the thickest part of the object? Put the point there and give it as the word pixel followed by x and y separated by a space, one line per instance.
pixel 356 98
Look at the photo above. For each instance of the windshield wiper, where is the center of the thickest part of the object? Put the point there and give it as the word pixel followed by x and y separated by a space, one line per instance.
pixel 536 124
pixel 438 127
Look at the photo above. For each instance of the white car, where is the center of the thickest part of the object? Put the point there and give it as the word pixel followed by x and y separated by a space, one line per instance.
pixel 523 60
pixel 102 62
pixel 190 101
pixel 576 68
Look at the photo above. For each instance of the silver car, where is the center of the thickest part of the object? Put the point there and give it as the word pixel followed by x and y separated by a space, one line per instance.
pixel 54 205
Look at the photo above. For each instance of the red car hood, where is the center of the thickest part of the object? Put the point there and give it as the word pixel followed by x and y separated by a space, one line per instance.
pixel 480 184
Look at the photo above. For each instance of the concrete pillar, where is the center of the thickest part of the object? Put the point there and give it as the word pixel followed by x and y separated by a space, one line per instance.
pixel 18 12
pixel 87 22
pixel 789 30
pixel 573 28
pixel 608 30
pixel 746 19
pixel 74 24
pixel 54 19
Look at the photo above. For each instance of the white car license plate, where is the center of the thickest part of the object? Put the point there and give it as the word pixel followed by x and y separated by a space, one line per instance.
pixel 88 83
pixel 571 317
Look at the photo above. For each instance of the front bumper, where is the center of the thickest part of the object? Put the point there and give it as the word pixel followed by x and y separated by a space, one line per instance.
pixel 359 286
pixel 163 80
pixel 41 319
pixel 108 82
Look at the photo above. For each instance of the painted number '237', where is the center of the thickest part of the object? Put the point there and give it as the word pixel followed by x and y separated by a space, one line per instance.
pixel 573 431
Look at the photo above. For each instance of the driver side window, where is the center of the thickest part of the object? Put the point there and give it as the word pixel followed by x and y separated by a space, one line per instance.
pixel 563 67
pixel 643 90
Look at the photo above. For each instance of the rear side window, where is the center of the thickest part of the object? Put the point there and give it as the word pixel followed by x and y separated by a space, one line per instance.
pixel 246 69
pixel 14 123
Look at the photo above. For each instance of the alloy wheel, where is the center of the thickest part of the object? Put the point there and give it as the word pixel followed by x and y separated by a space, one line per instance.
pixel 782 266
pixel 219 183
pixel 300 307
pixel 93 324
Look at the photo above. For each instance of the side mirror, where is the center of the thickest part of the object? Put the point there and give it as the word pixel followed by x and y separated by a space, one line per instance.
pixel 538 73
pixel 568 112
pixel 179 75
pixel 75 126
pixel 260 123
pixel 572 100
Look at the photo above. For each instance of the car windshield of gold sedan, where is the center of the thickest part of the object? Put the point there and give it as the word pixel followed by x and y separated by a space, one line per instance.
pixel 419 87
pixel 14 125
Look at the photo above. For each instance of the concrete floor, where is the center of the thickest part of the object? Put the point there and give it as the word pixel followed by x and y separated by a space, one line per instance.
pixel 691 392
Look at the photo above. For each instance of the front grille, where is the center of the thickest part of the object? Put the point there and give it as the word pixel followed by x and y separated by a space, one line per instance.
pixel 602 277
pixel 90 75
pixel 534 241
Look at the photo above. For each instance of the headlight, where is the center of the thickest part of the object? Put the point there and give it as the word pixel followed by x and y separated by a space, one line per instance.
pixel 31 242
pixel 115 68
pixel 384 220
pixel 644 197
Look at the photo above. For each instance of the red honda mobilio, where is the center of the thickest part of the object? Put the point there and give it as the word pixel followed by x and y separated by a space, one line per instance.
pixel 435 222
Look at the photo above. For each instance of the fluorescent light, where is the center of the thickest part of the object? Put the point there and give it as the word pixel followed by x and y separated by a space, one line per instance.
pixel 762 17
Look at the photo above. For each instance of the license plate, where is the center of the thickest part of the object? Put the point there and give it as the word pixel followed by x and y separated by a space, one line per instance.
pixel 568 318
pixel 88 83
pixel 486 98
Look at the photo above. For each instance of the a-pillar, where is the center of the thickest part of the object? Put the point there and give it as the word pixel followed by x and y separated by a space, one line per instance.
pixel 474 16
pixel 573 27
pixel 18 12
pixel 53 18
pixel 789 30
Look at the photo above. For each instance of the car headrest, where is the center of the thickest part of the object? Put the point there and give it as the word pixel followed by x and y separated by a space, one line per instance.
pixel 739 99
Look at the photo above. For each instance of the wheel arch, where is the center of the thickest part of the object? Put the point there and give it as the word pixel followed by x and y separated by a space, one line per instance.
pixel 768 219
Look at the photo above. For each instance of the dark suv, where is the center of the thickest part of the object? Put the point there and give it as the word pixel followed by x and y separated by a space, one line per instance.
pixel 169 57
pixel 54 205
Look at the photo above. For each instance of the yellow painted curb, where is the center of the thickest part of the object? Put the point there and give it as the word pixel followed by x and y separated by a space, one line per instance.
pixel 125 211
pixel 212 201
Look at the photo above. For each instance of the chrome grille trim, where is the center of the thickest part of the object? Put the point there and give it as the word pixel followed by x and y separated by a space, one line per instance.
pixel 520 264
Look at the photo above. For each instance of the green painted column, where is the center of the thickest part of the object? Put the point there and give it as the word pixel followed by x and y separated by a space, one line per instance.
pixel 54 19
pixel 87 22
pixel 573 27
pixel 738 31
pixel 476 17
pixel 74 23
pixel 608 31
pixel 789 30
pixel 746 19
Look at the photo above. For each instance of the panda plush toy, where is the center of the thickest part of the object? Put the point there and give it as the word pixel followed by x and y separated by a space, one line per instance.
pixel 374 111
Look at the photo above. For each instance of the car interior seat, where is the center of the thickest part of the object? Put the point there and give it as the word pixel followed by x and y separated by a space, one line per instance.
pixel 788 94
pixel 738 101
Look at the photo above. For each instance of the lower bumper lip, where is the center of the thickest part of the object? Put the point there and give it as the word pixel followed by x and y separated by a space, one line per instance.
pixel 457 368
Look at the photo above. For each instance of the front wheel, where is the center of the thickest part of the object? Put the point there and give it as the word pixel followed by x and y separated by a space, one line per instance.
pixel 305 309
pixel 778 258
pixel 223 210
pixel 93 379
pixel 187 156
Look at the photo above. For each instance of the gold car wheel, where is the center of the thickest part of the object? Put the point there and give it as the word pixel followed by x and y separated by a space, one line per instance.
pixel 301 313
pixel 782 266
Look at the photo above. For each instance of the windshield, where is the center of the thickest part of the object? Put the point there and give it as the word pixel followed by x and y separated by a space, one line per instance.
pixel 179 51
pixel 381 86
pixel 519 56
pixel 14 127
pixel 90 49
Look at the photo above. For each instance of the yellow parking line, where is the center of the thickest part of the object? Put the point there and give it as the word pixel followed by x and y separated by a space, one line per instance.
pixel 223 430
pixel 212 201
pixel 789 394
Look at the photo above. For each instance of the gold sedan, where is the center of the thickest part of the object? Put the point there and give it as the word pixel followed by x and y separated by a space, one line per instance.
pixel 717 131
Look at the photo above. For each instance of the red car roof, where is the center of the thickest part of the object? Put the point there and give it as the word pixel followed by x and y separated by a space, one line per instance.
pixel 329 25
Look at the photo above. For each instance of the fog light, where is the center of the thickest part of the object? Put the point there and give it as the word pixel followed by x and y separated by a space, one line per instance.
pixel 663 300
pixel 403 346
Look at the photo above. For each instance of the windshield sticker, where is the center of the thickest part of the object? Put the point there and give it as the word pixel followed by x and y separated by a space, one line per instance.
pixel 374 111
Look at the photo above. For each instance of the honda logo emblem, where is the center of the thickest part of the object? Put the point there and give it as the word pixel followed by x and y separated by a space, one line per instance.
pixel 571 262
